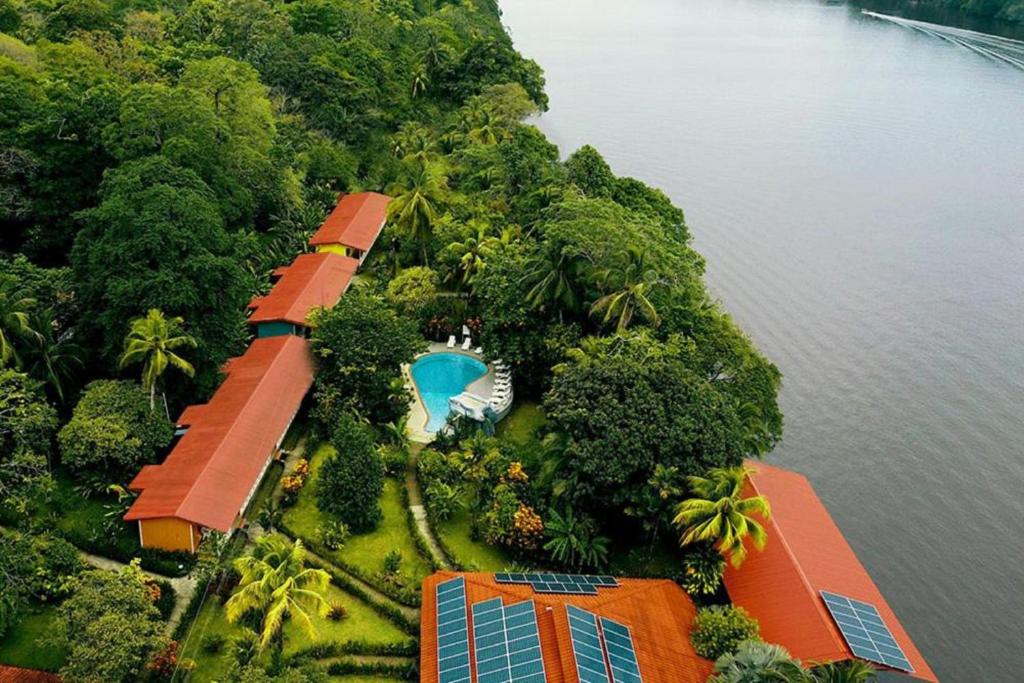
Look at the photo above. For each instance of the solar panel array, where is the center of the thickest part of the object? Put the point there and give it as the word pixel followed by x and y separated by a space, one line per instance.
pixel 865 631
pixel 452 632
pixel 586 646
pixel 568 584
pixel 618 642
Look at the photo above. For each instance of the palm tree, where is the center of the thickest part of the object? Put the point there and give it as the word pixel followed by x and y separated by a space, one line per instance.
pixel 552 276
pixel 419 80
pixel 720 514
pixel 757 662
pixel 412 142
pixel 471 253
pixel 574 541
pixel 414 208
pixel 397 432
pixel 152 341
pixel 277 583
pixel 631 294
pixel 849 671
pixel 49 357
pixel 14 320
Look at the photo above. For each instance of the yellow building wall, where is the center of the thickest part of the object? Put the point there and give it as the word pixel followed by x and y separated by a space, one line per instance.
pixel 168 534
pixel 333 249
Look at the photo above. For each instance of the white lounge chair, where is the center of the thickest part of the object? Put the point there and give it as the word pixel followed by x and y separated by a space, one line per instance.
pixel 467 343
pixel 451 341
pixel 479 350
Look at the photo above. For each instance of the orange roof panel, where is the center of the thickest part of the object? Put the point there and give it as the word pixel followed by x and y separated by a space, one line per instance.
pixel 806 553
pixel 216 465
pixel 657 611
pixel 311 281
pixel 355 222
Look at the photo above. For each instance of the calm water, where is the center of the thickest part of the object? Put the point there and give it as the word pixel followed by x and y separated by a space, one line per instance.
pixel 858 190
pixel 439 376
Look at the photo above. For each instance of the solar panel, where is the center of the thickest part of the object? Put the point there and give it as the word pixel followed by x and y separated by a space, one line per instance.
pixel 489 644
pixel 567 584
pixel 865 631
pixel 618 643
pixel 526 663
pixel 452 632
pixel 586 646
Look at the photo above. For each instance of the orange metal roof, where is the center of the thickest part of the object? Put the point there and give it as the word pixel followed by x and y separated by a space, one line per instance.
pixel 15 674
pixel 657 611
pixel 311 281
pixel 806 553
pixel 355 222
pixel 214 467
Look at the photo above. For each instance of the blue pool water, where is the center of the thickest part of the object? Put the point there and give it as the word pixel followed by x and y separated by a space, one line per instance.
pixel 440 376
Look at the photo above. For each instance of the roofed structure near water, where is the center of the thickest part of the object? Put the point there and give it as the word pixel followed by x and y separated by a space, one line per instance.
pixel 311 281
pixel 213 471
pixel 555 628
pixel 354 224
pixel 808 590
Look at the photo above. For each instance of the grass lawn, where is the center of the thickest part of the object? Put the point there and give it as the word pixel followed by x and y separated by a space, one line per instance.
pixel 521 424
pixel 362 623
pixel 363 551
pixel 20 648
pixel 472 555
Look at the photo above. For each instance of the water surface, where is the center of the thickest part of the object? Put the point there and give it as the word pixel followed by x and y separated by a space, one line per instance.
pixel 858 190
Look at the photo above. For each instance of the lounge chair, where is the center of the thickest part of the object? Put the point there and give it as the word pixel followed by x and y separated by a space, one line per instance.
pixel 467 343
pixel 479 350
pixel 451 341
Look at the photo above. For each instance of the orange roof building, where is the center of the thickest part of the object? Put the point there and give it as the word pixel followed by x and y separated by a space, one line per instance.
pixel 807 555
pixel 654 614
pixel 353 226
pixel 213 471
pixel 311 281
pixel 16 674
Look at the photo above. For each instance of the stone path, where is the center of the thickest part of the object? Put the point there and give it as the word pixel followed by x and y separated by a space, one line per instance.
pixel 184 586
pixel 419 513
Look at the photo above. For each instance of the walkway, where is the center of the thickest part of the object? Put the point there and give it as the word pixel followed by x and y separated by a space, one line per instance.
pixel 419 513
pixel 184 586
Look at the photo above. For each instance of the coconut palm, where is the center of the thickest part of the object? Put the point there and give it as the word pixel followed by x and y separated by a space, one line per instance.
pixel 412 142
pixel 757 662
pixel 552 277
pixel 152 341
pixel 414 209
pixel 574 541
pixel 630 295
pixel 49 357
pixel 14 321
pixel 471 254
pixel 849 671
pixel 397 432
pixel 419 80
pixel 276 583
pixel 721 515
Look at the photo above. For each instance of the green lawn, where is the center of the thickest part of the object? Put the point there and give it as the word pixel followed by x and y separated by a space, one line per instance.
pixel 362 624
pixel 20 647
pixel 521 424
pixel 470 554
pixel 363 551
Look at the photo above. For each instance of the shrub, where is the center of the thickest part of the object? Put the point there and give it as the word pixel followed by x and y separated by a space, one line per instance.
pixel 394 459
pixel 392 562
pixel 164 596
pixel 703 566
pixel 337 612
pixel 442 500
pixel 212 643
pixel 351 480
pixel 112 432
pixel 719 630
pixel 334 534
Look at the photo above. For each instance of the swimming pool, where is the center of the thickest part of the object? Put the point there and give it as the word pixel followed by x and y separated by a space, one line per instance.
pixel 439 376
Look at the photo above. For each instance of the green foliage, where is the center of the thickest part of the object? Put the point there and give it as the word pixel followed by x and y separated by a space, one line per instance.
pixel 703 567
pixel 10 20
pixel 849 671
pixel 412 291
pixel 719 630
pixel 360 346
pixel 588 170
pixel 334 534
pixel 111 626
pixel 112 432
pixel 351 480
pixel 33 568
pixel 574 541
pixel 27 427
pixel 755 662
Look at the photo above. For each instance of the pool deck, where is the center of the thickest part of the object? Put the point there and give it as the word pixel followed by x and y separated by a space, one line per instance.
pixel 418 417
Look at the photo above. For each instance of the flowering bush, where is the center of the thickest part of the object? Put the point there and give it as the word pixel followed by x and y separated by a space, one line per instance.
pixel 290 487
pixel 719 630
pixel 301 469
pixel 527 529
pixel 516 473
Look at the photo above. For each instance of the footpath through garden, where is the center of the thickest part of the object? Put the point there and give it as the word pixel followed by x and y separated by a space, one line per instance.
pixel 419 513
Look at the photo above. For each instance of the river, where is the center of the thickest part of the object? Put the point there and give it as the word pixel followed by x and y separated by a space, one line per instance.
pixel 858 191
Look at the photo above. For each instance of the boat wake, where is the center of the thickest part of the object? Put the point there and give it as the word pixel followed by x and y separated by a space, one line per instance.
pixel 1001 49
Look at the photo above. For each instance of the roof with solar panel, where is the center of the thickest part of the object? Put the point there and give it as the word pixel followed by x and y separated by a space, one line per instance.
pixel 556 628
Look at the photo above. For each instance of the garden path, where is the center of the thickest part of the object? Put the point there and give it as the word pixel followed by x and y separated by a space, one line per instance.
pixel 419 513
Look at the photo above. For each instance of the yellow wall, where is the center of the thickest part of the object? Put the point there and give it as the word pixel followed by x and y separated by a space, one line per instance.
pixel 333 248
pixel 169 534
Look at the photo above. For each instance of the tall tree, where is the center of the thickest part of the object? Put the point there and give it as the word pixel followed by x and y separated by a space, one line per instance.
pixel 349 483
pixel 152 342
pixel 14 320
pixel 630 295
pixel 721 514
pixel 276 583
pixel 417 198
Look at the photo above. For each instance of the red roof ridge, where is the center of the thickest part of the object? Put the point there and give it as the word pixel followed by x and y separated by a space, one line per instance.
pixel 822 612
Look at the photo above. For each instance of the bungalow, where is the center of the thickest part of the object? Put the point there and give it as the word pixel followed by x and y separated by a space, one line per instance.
pixel 311 281
pixel 809 591
pixel 353 226
pixel 213 471
pixel 556 628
